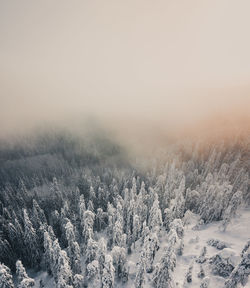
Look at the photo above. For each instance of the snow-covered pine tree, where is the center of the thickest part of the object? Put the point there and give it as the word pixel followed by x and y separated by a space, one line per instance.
pixel 56 194
pixel 186 220
pixel 155 217
pixel 78 281
pixel 73 249
pixel 178 205
pixel 64 273
pixel 92 195
pixel 145 232
pixel 136 228
pixel 111 221
pixel 163 276
pixel 16 237
pixel 117 233
pixel 119 262
pixel 151 245
pixel 55 223
pixel 30 241
pixel 88 221
pixel 91 250
pixel 108 276
pixel 23 280
pixel 56 249
pixel 38 216
pixel 48 252
pixel 172 237
pixel 241 272
pixel 231 209
pixel 140 208
pixel 141 271
pixel 100 219
pixel 168 218
pixel 178 227
pixel 192 200
pixel 6 280
pixel 91 206
pixel 102 250
pixel 160 189
pixel 81 209
pixel 247 245
pixel 92 273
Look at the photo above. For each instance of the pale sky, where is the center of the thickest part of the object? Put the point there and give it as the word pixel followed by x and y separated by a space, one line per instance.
pixel 170 62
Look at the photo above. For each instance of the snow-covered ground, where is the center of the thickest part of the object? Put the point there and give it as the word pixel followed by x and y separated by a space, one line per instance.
pixel 235 237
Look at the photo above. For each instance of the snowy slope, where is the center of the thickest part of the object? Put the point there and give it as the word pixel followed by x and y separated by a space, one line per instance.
pixel 235 237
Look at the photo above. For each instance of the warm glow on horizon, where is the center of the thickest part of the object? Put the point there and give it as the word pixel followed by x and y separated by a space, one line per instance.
pixel 167 64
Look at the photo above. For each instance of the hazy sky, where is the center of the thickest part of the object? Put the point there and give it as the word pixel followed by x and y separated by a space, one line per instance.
pixel 171 62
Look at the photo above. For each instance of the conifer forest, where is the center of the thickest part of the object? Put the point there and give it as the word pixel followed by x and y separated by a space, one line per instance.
pixel 82 215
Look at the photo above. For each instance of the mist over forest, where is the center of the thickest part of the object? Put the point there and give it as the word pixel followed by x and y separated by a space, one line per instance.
pixel 124 144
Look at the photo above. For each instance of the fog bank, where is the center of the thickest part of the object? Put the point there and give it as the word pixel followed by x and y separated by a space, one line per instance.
pixel 146 70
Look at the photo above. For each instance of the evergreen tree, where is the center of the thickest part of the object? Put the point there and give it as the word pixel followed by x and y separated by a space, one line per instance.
pixel 231 209
pixel 6 252
pixel 247 245
pixel 108 276
pixel 64 273
pixel 172 237
pixel 92 273
pixel 91 251
pixel 119 261
pixel 73 249
pixel 141 271
pixel 163 276
pixel 168 218
pixel 56 194
pixel 23 280
pixel 88 222
pixel 6 280
pixel 30 241
pixel 48 252
pixel 56 250
pixel 78 281
pixel 38 216
pixel 16 236
pixel 145 232
pixel 111 222
pixel 140 208
pixel 178 205
pixel 178 227
pixel 155 217
pixel 100 219
pixel 117 233
pixel 91 206
pixel 151 245
pixel 102 250
pixel 241 272
pixel 82 209
pixel 136 228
